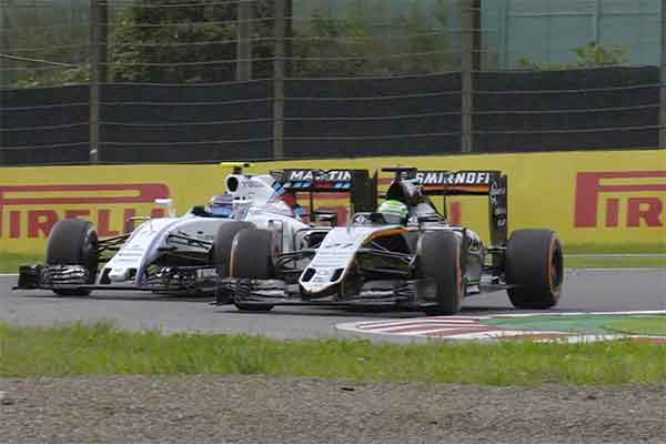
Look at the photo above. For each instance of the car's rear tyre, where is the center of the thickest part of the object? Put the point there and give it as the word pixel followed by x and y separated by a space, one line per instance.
pixel 440 259
pixel 534 264
pixel 73 242
pixel 251 258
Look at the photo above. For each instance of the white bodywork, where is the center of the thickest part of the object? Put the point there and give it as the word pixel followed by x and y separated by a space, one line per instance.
pixel 337 252
pixel 255 200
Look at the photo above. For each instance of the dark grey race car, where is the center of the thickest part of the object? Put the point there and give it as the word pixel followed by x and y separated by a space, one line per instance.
pixel 423 262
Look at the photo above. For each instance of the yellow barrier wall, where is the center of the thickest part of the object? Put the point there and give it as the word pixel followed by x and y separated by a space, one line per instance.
pixel 612 200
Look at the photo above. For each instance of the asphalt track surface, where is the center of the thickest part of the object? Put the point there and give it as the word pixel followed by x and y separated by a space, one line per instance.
pixel 584 290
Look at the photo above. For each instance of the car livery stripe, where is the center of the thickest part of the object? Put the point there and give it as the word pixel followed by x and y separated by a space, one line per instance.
pixel 388 232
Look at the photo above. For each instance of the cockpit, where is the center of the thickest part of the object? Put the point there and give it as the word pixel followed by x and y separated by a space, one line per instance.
pixel 407 192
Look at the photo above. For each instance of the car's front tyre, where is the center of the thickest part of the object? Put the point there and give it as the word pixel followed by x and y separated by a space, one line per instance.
pixel 73 242
pixel 251 258
pixel 224 239
pixel 441 260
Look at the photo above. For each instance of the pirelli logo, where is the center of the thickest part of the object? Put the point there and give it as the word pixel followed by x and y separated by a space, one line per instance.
pixel 622 199
pixel 30 211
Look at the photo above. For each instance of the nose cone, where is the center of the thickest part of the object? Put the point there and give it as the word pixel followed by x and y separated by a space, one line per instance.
pixel 118 274
pixel 333 257
pixel 319 280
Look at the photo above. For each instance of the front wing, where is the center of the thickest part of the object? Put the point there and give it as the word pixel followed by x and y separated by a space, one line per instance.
pixel 182 279
pixel 405 293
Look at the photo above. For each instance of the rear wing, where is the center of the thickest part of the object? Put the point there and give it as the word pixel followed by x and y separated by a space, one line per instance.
pixel 362 188
pixel 491 183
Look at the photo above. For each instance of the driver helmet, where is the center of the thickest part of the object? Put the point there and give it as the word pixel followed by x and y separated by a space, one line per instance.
pixel 221 205
pixel 394 212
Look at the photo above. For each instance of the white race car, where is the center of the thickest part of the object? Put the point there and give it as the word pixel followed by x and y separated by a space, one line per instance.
pixel 187 254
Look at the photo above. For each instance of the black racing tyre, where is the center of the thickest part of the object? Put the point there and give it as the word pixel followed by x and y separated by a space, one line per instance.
pixel 440 259
pixel 73 242
pixel 251 258
pixel 222 247
pixel 534 264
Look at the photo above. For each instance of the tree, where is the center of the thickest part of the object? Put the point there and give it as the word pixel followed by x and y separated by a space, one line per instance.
pixel 159 41
pixel 330 47
pixel 592 55
pixel 46 43
pixel 366 40
pixel 189 41
pixel 183 41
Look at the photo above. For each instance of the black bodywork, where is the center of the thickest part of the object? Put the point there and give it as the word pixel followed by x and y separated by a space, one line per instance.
pixel 387 270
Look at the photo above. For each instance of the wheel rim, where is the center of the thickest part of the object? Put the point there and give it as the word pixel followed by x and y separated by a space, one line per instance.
pixel 460 281
pixel 555 266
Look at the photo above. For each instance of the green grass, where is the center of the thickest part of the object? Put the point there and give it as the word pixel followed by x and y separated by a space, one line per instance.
pixel 101 349
pixel 644 325
pixel 624 248
pixel 10 262
pixel 599 324
pixel 572 261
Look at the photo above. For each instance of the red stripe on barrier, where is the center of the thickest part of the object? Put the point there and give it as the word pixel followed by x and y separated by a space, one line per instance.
pixel 136 192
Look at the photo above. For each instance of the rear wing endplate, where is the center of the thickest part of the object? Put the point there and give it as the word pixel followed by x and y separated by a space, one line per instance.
pixel 491 183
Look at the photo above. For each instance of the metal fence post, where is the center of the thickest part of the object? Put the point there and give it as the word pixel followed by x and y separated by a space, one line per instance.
pixel 244 41
pixel 278 78
pixel 596 22
pixel 468 46
pixel 6 77
pixel 662 77
pixel 98 39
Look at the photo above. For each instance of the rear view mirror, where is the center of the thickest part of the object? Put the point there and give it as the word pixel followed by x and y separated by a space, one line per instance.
pixel 167 204
pixel 199 210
